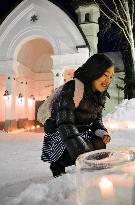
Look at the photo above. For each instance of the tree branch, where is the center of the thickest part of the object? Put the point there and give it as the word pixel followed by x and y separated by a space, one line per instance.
pixel 126 34
pixel 132 13
pixel 118 16
pixel 123 9
pixel 124 28
pixel 124 25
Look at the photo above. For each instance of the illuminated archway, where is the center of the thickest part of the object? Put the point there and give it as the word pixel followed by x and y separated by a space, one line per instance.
pixel 36 55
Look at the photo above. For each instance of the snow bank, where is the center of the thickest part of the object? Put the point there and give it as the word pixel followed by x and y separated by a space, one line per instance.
pixel 59 190
pixel 123 116
pixel 124 111
pixel 26 180
pixel 21 136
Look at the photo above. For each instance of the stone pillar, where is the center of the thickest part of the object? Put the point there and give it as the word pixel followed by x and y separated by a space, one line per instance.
pixel 62 62
pixel 88 20
pixel 10 104
pixel 22 103
pixel 58 77
pixel 9 101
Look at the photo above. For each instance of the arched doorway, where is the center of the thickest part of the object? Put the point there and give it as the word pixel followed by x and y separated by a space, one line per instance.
pixel 35 62
pixel 36 55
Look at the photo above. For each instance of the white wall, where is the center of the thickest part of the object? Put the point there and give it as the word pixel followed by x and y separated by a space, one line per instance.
pixel 53 26
pixel 2 103
pixel 116 95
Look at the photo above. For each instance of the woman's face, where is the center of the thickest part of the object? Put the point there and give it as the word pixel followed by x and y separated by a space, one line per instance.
pixel 102 83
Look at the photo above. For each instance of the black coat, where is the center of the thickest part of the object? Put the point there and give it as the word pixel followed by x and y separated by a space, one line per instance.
pixel 70 121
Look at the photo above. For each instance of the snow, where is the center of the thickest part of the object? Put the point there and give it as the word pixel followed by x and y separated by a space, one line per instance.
pixel 26 180
pixel 123 112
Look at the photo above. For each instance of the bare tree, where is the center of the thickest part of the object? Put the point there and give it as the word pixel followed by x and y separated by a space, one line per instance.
pixel 122 13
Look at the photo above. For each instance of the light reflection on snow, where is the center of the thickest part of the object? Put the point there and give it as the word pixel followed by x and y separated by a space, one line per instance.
pixel 26 180
pixel 123 117
pixel 114 124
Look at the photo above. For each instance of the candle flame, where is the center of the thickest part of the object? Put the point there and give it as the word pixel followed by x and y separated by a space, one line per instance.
pixel 106 187
pixel 24 129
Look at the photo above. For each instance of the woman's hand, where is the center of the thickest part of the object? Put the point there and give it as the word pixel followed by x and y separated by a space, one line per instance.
pixel 106 139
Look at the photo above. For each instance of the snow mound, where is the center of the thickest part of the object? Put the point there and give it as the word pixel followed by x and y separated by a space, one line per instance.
pixel 57 191
pixel 125 111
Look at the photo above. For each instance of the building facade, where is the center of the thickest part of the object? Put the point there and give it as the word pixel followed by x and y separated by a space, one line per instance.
pixel 40 47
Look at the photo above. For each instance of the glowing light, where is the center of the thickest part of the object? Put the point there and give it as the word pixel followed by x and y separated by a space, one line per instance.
pixel 33 127
pixel 7 98
pixel 20 100
pixel 120 124
pixel 20 97
pixel 113 126
pixel 24 129
pixel 31 101
pixel 106 187
pixel 131 126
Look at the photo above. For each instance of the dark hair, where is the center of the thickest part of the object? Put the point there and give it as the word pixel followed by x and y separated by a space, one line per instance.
pixel 93 68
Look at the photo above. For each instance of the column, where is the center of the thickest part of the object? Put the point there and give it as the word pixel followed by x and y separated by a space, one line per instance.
pixel 10 103
pixel 61 62
pixel 58 77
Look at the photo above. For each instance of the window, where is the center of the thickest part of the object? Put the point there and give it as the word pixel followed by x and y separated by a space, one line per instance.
pixel 87 17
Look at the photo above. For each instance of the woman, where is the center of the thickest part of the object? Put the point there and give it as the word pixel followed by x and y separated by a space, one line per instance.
pixel 71 131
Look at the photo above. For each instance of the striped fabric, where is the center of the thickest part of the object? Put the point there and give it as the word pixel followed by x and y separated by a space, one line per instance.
pixel 53 146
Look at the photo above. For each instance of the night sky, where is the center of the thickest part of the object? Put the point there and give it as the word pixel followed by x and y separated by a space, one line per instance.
pixel 107 42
